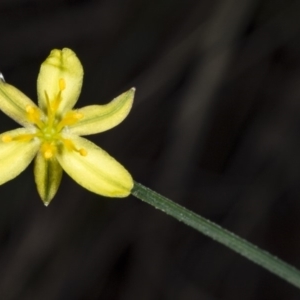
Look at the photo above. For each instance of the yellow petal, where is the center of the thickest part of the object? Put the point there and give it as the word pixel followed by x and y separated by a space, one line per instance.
pixel 47 173
pixel 16 155
pixel 60 64
pixel 98 118
pixel 97 171
pixel 14 103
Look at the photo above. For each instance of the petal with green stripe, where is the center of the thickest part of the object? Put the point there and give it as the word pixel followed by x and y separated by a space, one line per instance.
pixel 47 174
pixel 60 64
pixel 96 171
pixel 14 103
pixel 17 150
pixel 99 118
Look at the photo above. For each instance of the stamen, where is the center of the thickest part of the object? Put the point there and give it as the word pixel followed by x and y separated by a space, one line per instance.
pixel 48 154
pixel 48 150
pixel 6 138
pixel 53 105
pixel 78 115
pixel 24 137
pixel 34 115
pixel 56 102
pixel 70 146
pixel 69 119
pixel 82 152
pixel 48 103
pixel 30 109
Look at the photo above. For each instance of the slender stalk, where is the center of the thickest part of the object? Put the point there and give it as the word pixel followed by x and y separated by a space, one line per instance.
pixel 219 234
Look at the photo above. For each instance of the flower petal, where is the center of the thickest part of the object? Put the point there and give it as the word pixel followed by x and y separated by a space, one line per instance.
pixel 97 171
pixel 16 155
pixel 13 103
pixel 47 174
pixel 98 118
pixel 60 64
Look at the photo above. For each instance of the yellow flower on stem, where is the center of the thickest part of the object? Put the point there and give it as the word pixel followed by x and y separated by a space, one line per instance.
pixel 52 131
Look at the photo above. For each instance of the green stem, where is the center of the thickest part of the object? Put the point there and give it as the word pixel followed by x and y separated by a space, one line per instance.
pixel 219 234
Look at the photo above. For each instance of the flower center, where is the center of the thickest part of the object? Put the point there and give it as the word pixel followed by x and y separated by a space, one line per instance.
pixel 49 128
pixel 48 133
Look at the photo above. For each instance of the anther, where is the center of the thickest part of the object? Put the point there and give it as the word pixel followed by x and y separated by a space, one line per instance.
pixel 48 150
pixel 34 115
pixel 48 154
pixel 71 147
pixel 82 152
pixel 69 119
pixel 29 109
pixel 21 138
pixel 78 115
pixel 6 138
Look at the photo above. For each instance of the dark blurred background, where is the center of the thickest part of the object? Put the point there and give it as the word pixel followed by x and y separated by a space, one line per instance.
pixel 215 127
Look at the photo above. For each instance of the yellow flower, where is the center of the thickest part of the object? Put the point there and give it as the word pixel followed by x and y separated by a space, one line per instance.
pixel 52 131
